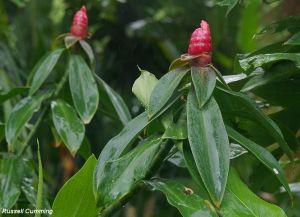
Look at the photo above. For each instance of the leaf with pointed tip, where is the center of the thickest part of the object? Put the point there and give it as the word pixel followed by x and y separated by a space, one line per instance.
pixel 121 175
pixel 204 80
pixel 164 89
pixel 113 101
pixel 70 40
pixel 69 127
pixel 209 144
pixel 76 198
pixel 20 115
pixel 261 154
pixel 294 40
pixel 256 114
pixel 88 50
pixel 143 86
pixel 43 68
pixel 183 198
pixel 39 195
pixel 240 201
pixel 83 88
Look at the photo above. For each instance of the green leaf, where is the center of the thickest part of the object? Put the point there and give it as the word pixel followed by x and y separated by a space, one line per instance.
pixel 240 201
pixel 236 150
pixel 2 131
pixel 230 3
pixel 277 73
pixel 143 86
pixel 12 93
pixel 294 40
pixel 183 198
pixel 87 49
pixel 262 155
pixel 262 59
pixel 43 68
pixel 69 127
pixel 121 175
pixel 20 115
pixel 204 80
pixel 209 144
pixel 83 88
pixel 70 40
pixel 178 130
pixel 177 63
pixel 11 175
pixel 39 197
pixel 113 101
pixel 258 116
pixel 117 145
pixel 164 90
pixel 76 198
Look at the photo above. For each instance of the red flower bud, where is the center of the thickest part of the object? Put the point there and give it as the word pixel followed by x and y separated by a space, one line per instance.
pixel 80 24
pixel 200 44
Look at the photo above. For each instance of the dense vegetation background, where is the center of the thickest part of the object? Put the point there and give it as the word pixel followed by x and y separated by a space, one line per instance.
pixel 127 34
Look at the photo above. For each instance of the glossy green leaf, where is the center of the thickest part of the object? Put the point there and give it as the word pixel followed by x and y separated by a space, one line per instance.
pixel 39 196
pixel 256 114
pixel 83 88
pixel 11 175
pixel 277 73
pixel 143 86
pixel 183 198
pixel 209 144
pixel 69 127
pixel 204 80
pixel 178 130
pixel 43 68
pixel 261 154
pixel 20 115
pixel 117 145
pixel 240 201
pixel 12 93
pixel 236 150
pixel 164 90
pixel 76 198
pixel 114 101
pixel 120 143
pixel 87 49
pixel 262 59
pixel 121 175
pixel 294 40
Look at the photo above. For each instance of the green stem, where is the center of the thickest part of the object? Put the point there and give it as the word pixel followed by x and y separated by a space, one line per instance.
pixel 159 158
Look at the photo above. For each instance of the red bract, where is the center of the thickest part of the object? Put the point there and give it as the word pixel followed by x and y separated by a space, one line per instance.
pixel 200 41
pixel 80 24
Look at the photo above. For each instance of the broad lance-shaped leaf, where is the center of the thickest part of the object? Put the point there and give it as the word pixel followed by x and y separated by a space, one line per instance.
pixel 83 88
pixel 240 201
pixel 262 155
pixel 116 146
pixel 183 198
pixel 20 115
pixel 113 101
pixel 204 80
pixel 43 68
pixel 121 175
pixel 164 89
pixel 69 127
pixel 11 175
pixel 257 115
pixel 76 198
pixel 143 86
pixel 120 143
pixel 209 144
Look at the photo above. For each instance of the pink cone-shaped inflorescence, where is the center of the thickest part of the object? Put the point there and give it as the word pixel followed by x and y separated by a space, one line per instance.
pixel 200 44
pixel 80 24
